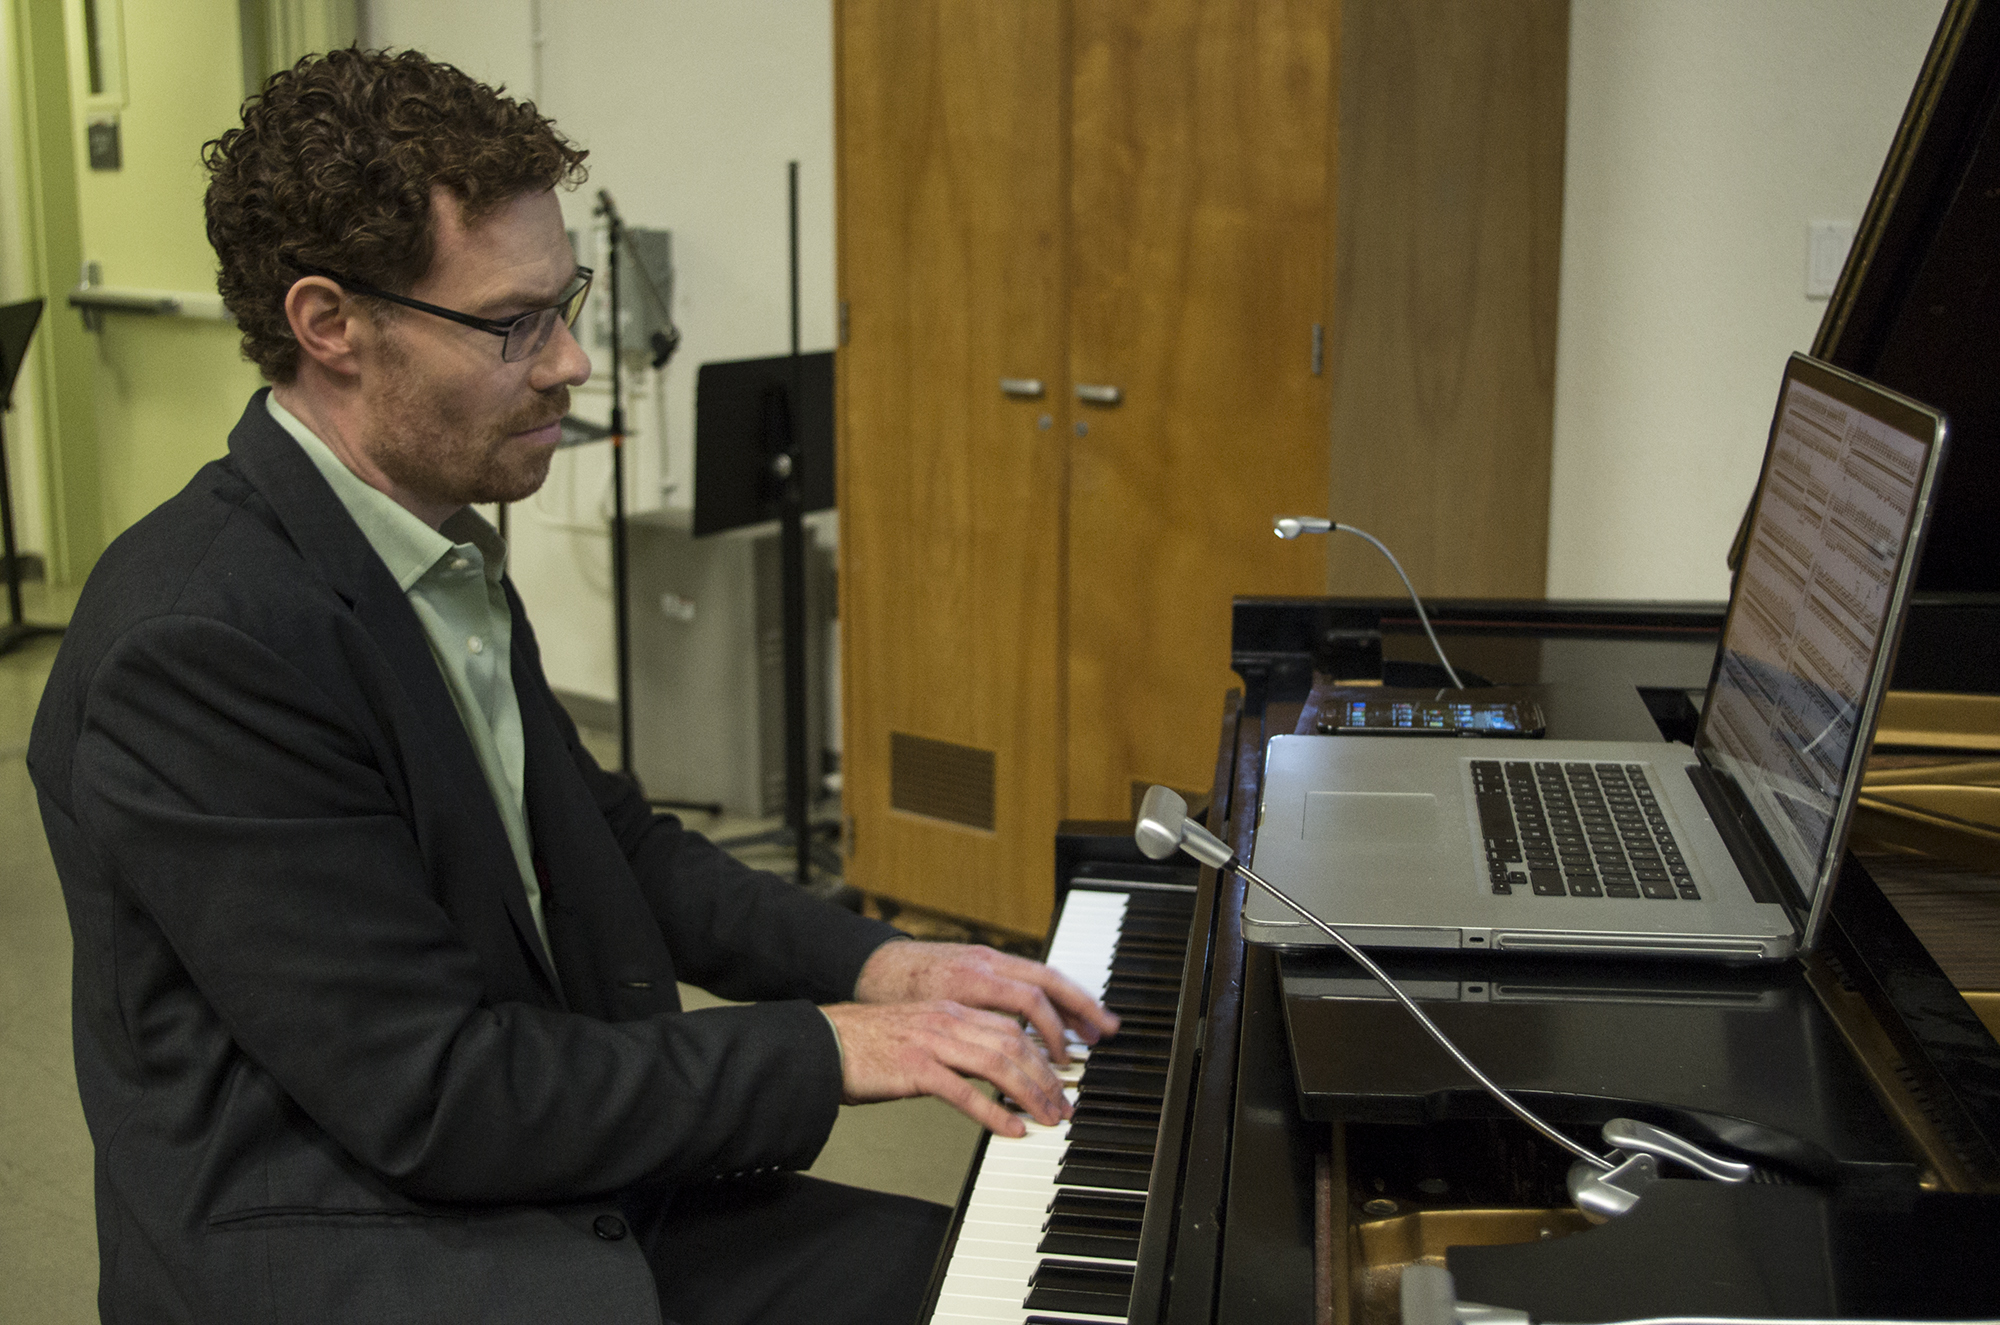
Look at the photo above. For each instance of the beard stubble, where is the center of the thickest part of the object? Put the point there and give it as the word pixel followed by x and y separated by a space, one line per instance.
pixel 447 461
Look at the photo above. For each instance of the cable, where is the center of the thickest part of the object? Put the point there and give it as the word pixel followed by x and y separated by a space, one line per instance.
pixel 1164 828
pixel 1409 1005
pixel 1291 526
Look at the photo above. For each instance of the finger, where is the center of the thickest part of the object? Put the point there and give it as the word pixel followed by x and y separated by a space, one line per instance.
pixel 1027 1002
pixel 1089 1018
pixel 973 1102
pixel 1005 1057
pixel 1014 1066
pixel 986 1021
pixel 1065 999
pixel 1042 1016
pixel 999 980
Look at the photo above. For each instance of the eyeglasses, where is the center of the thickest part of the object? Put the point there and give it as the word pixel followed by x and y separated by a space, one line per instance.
pixel 522 336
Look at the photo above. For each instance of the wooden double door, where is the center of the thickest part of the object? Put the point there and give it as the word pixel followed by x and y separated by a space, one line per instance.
pixel 1087 352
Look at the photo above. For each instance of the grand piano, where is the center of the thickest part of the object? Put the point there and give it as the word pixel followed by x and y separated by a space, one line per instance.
pixel 1272 1141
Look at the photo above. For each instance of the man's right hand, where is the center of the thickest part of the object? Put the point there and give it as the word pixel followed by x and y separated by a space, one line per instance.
pixel 892 1051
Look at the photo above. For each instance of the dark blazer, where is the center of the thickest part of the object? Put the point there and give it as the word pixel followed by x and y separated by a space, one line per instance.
pixel 327 1069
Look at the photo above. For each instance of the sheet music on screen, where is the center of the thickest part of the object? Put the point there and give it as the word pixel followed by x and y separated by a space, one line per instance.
pixel 1811 608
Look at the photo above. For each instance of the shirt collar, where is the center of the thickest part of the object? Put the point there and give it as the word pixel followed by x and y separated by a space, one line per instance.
pixel 407 546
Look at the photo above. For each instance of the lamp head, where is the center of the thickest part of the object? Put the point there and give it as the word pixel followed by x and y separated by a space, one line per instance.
pixel 1291 526
pixel 1163 828
pixel 1162 821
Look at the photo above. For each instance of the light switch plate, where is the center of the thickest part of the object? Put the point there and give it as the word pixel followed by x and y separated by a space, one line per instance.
pixel 1827 243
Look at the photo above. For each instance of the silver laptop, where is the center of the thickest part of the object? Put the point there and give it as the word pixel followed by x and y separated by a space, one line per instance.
pixel 1726 851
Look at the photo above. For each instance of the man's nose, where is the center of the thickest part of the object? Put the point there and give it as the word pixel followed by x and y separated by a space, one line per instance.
pixel 562 362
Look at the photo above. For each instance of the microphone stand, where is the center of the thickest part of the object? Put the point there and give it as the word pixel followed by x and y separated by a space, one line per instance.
pixel 614 226
pixel 621 608
pixel 792 562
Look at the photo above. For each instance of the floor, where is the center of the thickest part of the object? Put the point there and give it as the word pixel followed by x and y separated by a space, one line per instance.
pixel 48 1257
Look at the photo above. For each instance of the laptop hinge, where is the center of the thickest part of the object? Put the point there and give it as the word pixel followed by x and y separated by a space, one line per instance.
pixel 1743 844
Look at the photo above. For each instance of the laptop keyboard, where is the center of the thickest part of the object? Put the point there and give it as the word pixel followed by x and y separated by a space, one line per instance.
pixel 1572 829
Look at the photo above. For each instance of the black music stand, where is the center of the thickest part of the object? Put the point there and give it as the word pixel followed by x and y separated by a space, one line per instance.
pixel 17 328
pixel 764 450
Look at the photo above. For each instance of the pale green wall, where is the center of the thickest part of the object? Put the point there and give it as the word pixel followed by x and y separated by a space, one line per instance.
pixel 167 390
pixel 65 439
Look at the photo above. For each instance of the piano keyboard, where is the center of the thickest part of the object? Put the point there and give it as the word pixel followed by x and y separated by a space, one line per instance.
pixel 1050 1230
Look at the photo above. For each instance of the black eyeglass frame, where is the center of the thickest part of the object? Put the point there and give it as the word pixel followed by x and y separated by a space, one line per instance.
pixel 569 307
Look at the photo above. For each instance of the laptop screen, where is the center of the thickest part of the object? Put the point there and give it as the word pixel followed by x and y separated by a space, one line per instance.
pixel 1816 597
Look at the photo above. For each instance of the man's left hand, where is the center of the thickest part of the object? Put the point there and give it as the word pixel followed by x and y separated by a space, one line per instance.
pixel 909 971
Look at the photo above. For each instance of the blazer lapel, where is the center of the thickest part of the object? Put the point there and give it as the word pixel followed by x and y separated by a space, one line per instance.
pixel 613 958
pixel 329 540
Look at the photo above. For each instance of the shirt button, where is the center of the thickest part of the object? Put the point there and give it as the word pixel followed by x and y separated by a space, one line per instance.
pixel 459 563
pixel 609 1227
pixel 476 644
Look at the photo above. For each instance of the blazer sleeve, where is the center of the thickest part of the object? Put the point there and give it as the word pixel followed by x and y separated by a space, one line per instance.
pixel 246 810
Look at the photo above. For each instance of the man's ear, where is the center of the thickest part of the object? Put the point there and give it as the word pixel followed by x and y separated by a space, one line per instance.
pixel 329 325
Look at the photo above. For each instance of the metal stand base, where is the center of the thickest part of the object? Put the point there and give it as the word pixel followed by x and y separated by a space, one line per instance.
pixel 13 634
pixel 713 809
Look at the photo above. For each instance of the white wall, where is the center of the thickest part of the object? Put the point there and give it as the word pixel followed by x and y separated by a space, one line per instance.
pixel 690 110
pixel 1703 136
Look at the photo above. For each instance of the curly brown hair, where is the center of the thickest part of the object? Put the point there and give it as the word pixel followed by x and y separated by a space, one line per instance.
pixel 334 169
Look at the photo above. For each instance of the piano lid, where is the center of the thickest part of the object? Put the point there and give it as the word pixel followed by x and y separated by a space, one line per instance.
pixel 1918 303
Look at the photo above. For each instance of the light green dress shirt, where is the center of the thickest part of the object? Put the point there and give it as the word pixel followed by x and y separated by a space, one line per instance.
pixel 452 580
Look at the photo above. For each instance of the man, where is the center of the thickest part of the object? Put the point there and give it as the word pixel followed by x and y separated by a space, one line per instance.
pixel 375 968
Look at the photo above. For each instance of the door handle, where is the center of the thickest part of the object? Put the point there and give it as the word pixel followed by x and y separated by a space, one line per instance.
pixel 1021 388
pixel 1098 393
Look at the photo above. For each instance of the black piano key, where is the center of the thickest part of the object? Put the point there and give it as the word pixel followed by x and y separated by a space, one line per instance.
pixel 1147 980
pixel 1154 925
pixel 1131 1113
pixel 1121 1139
pixel 1090 1226
pixel 1109 1095
pixel 1070 1204
pixel 1171 938
pixel 1122 994
pixel 1113 1054
pixel 1144 1019
pixel 1058 1285
pixel 1140 1040
pixel 1126 964
pixel 1109 1246
pixel 1125 1082
pixel 1161 905
pixel 1148 963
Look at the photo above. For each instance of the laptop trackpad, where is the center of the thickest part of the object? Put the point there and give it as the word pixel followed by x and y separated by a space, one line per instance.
pixel 1371 818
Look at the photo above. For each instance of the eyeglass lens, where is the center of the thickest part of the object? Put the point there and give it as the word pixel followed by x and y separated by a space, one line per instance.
pixel 528 335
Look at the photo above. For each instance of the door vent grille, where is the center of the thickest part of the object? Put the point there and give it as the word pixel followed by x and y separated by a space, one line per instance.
pixel 941 780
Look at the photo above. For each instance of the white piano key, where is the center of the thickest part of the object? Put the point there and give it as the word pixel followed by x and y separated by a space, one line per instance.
pixel 985 1256
pixel 984 1311
pixel 1000 1227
